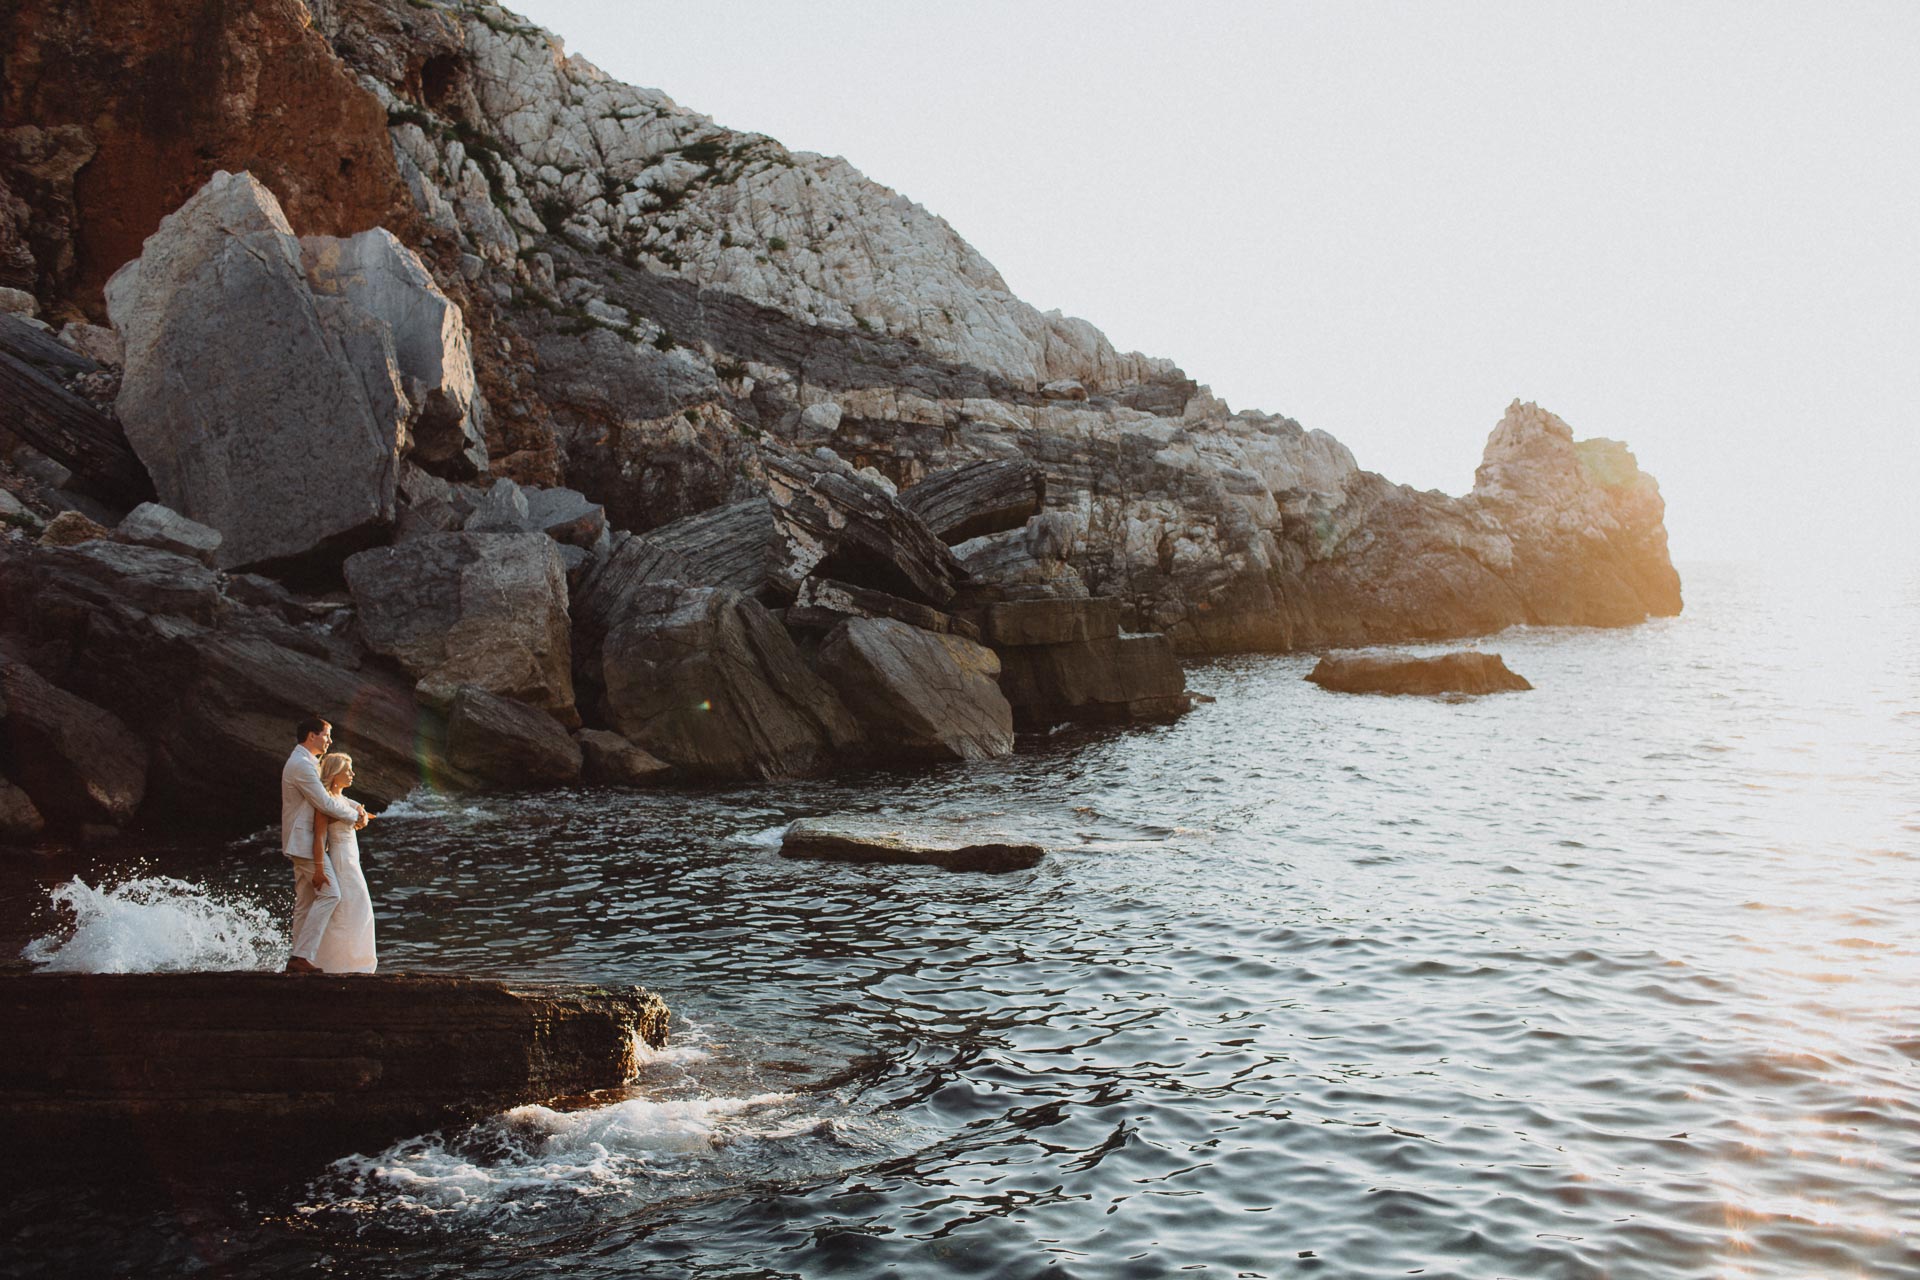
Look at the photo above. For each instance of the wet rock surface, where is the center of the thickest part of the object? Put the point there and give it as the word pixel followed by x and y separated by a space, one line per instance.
pixel 1466 672
pixel 177 1072
pixel 857 840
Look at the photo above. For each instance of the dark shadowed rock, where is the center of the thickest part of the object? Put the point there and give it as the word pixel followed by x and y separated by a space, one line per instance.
pixel 831 523
pixel 825 604
pixel 978 499
pixel 856 840
pixel 730 546
pixel 20 819
pixel 1465 672
pixel 79 763
pixel 610 760
pixel 67 428
pixel 916 693
pixel 176 1071
pixel 485 609
pixel 707 680
pixel 1115 680
pixel 1035 622
pixel 504 743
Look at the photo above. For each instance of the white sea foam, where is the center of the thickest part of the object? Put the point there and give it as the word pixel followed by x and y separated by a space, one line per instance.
pixel 765 838
pixel 535 1158
pixel 424 803
pixel 153 924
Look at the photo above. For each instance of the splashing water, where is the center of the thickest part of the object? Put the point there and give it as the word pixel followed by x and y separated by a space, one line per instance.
pixel 156 924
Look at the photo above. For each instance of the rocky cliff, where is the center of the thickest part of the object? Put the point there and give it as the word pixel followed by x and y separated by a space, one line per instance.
pixel 320 272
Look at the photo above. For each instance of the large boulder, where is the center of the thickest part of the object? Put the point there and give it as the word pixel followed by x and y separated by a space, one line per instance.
pixel 387 280
pixel 260 409
pixel 1586 524
pixel 1465 672
pixel 917 693
pixel 500 742
pixel 81 765
pixel 1028 563
pixel 704 678
pixel 20 818
pixel 482 609
pixel 1115 680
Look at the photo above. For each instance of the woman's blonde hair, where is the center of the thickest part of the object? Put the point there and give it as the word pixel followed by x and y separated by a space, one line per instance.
pixel 334 763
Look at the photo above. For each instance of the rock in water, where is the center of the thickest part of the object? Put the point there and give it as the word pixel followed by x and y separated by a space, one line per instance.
pixel 483 609
pixel 206 1068
pixel 1589 539
pixel 260 410
pixel 610 760
pixel 853 840
pixel 1465 672
pixel 916 693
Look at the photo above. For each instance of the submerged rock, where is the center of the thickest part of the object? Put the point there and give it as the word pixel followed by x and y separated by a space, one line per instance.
pixel 852 840
pixel 1466 672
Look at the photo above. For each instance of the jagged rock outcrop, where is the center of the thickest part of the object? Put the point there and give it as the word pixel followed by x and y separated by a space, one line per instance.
pixel 796 387
pixel 385 279
pixel 702 677
pixel 112 115
pixel 918 694
pixel 260 409
pixel 211 676
pixel 481 609
pixel 986 497
pixel 1465 672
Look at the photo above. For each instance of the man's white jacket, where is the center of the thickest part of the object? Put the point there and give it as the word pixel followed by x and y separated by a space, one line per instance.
pixel 300 794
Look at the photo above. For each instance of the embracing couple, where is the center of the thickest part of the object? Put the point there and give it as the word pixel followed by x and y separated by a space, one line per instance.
pixel 332 910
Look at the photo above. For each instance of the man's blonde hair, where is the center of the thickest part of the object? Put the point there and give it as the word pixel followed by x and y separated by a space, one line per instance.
pixel 334 763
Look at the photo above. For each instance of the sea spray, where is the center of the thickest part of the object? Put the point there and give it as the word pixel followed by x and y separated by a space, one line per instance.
pixel 156 924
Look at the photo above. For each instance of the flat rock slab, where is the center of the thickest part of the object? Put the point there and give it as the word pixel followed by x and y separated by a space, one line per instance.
pixel 268 1073
pixel 852 841
pixel 1464 672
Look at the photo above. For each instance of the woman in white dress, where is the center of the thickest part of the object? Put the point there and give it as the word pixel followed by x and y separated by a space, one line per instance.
pixel 347 945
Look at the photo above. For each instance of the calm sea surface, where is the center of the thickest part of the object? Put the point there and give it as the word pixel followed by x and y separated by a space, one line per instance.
pixel 1617 978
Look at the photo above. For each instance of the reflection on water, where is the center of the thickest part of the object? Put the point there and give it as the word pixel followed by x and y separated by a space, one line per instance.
pixel 1609 979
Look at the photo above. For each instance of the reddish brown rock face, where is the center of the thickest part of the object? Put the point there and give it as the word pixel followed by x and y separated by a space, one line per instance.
pixel 171 90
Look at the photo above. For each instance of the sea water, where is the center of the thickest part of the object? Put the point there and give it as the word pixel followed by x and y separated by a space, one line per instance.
pixel 1615 978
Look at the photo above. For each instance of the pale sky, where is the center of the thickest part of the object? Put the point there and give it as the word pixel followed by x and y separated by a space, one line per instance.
pixel 1694 227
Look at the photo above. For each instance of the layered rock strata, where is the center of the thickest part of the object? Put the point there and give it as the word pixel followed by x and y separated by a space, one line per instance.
pixel 610 415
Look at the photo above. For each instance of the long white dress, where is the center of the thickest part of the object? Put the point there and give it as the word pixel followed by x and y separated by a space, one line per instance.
pixel 347 945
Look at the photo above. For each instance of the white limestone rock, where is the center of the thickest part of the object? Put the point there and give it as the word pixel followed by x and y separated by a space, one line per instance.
pixel 153 525
pixel 259 409
pixel 387 280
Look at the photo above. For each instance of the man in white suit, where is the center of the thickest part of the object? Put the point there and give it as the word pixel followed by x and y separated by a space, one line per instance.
pixel 315 893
